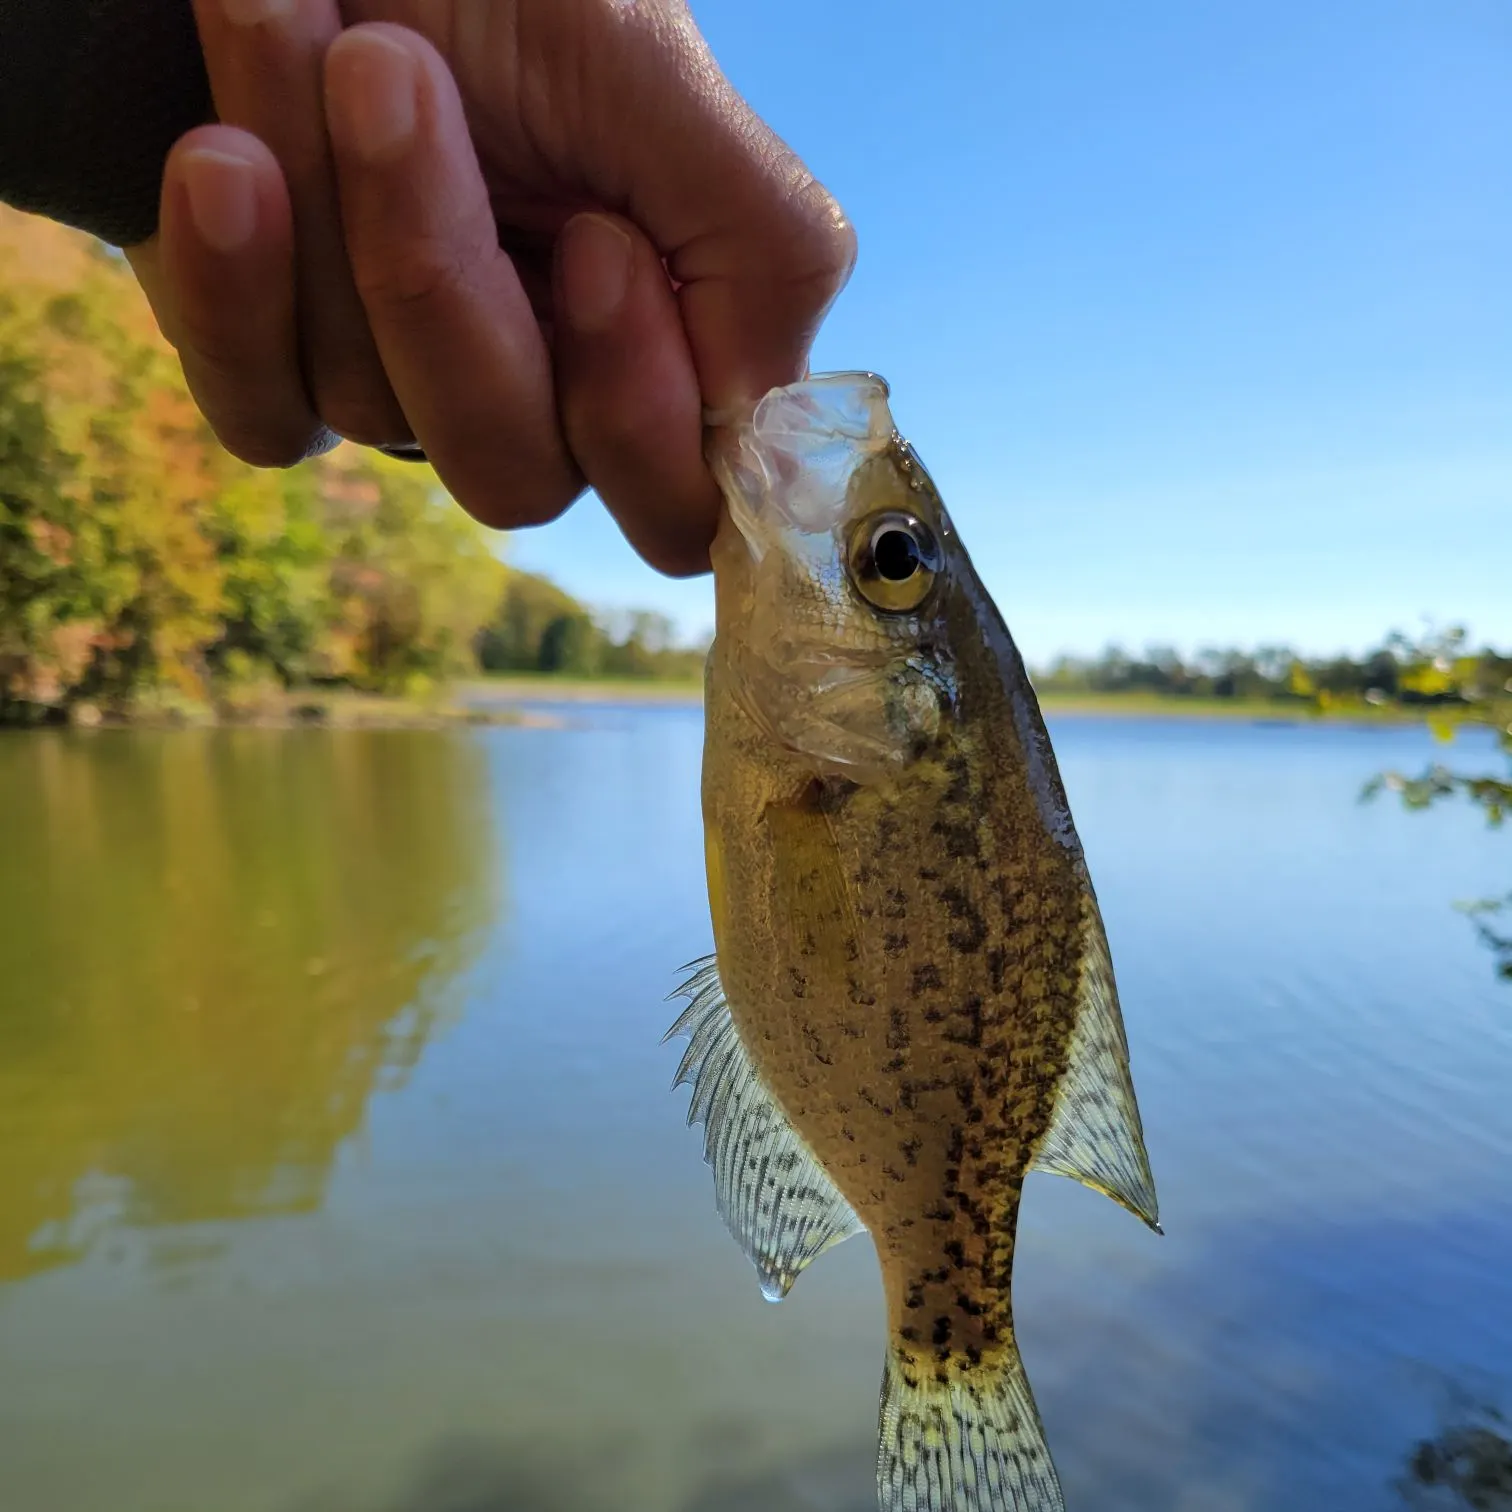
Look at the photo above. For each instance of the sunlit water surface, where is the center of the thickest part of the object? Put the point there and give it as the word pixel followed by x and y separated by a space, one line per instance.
pixel 339 1170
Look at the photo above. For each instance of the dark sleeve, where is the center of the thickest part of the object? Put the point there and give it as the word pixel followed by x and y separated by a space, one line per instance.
pixel 93 93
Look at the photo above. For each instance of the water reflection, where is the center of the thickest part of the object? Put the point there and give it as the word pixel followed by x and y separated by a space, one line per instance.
pixel 1467 1464
pixel 215 947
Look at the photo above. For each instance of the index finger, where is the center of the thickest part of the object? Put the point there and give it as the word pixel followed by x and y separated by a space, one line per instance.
pixel 265 61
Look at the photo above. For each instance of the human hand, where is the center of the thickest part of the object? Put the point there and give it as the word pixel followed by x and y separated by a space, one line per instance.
pixel 541 237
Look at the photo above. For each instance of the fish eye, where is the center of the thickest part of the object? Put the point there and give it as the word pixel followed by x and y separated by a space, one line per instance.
pixel 894 560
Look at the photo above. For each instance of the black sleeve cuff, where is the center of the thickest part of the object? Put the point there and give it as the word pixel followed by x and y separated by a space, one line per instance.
pixel 93 93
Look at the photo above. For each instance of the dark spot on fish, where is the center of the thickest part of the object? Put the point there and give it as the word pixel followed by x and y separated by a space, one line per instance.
pixel 847 1133
pixel 941 1334
pixel 815 1045
pixel 852 1030
pixel 934 1015
pixel 973 1354
pixel 941 1375
pixel 959 788
pixel 859 995
pixel 910 1149
pixel 955 1252
pixel 910 1333
pixel 937 1276
pixel 797 982
pixel 897 1030
pixel 925 978
pixel 939 1213
pixel 961 840
pixel 928 874
pixel 972 934
pixel 969 1305
pixel 870 1099
pixel 893 1173
pixel 968 1024
pixel 897 904
pixel 895 944
pixel 997 965
pixel 896 1063
pixel 828 795
pixel 915 1298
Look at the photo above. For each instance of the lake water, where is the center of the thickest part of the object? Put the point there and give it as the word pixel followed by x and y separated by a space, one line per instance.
pixel 339 1169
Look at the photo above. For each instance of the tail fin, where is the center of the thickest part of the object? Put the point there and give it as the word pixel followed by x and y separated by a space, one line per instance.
pixel 972 1444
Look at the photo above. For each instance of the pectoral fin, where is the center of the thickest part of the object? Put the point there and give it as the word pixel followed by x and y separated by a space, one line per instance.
pixel 781 1207
pixel 1095 1135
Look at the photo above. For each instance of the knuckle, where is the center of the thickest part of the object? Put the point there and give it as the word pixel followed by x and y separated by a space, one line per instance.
pixel 420 274
pixel 520 507
pixel 361 407
pixel 271 447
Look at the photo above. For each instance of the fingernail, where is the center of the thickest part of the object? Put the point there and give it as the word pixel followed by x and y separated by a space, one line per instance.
pixel 222 197
pixel 256 12
pixel 595 257
pixel 373 99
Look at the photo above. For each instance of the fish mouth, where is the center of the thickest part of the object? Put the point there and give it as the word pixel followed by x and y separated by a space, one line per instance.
pixel 788 462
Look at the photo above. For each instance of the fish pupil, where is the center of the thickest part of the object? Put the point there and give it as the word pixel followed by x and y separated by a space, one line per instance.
pixel 895 554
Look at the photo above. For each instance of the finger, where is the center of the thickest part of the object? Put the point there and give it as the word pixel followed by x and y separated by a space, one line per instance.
pixel 457 334
pixel 758 247
pixel 628 392
pixel 264 59
pixel 225 271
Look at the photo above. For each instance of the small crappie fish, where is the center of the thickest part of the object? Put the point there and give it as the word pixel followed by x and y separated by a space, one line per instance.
pixel 911 1004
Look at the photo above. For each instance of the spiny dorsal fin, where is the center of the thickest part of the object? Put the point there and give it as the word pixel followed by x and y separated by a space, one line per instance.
pixel 1095 1135
pixel 771 1192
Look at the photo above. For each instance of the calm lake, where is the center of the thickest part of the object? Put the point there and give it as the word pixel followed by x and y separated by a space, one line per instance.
pixel 339 1169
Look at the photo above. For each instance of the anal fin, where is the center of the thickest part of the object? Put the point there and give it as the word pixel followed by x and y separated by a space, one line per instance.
pixel 775 1198
pixel 1095 1134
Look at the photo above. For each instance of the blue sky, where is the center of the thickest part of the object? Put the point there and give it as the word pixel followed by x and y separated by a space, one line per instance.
pixel 1199 314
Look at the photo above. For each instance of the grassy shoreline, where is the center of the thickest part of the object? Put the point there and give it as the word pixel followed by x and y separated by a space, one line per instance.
pixel 525 687
pixel 507 700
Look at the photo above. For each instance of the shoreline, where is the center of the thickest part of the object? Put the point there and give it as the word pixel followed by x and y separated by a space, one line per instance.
pixel 514 702
pixel 509 690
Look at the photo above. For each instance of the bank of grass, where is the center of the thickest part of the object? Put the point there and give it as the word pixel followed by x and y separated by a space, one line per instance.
pixel 507 699
pixel 298 708
pixel 549 687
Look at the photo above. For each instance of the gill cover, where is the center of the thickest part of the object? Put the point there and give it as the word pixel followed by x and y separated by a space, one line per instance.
pixel 829 573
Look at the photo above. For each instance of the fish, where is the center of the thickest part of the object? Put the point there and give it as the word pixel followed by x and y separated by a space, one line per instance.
pixel 911 1002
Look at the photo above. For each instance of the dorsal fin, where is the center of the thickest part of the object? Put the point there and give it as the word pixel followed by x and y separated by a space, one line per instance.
pixel 774 1196
pixel 1095 1135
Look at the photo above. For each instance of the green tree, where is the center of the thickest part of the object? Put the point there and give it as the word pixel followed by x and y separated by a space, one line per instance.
pixel 1461 687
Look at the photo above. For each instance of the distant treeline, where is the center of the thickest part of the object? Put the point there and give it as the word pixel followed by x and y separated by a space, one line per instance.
pixel 142 568
pixel 1442 672
pixel 539 628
